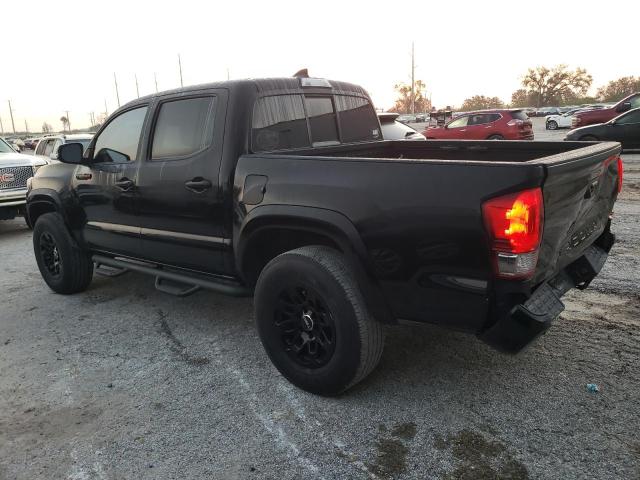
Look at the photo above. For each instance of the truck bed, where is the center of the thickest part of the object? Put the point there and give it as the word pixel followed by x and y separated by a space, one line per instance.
pixel 417 206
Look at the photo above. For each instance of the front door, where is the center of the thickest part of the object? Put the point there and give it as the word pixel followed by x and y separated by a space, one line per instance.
pixel 629 127
pixel 106 190
pixel 179 194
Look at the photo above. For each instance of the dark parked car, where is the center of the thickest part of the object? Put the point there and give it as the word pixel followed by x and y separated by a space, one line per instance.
pixel 283 189
pixel 392 129
pixel 544 111
pixel 624 128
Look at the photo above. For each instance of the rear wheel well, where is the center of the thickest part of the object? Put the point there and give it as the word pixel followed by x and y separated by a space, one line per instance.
pixel 266 244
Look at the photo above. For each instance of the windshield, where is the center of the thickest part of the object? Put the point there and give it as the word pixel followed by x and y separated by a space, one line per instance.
pixel 4 147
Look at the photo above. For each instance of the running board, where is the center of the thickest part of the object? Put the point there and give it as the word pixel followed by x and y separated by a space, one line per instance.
pixel 226 287
pixel 174 288
pixel 109 271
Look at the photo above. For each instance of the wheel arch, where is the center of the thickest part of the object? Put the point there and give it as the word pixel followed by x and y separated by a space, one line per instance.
pixel 44 200
pixel 271 230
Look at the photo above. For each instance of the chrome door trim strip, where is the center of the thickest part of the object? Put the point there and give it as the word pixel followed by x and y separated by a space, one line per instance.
pixel 152 232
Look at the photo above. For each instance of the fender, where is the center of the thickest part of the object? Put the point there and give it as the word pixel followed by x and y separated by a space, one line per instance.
pixel 39 196
pixel 329 223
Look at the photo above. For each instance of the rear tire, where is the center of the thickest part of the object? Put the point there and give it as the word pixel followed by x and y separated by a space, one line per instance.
pixel 64 267
pixel 313 322
pixel 496 137
pixel 589 138
pixel 552 125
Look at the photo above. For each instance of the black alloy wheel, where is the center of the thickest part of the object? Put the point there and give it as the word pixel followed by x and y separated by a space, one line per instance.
pixel 306 325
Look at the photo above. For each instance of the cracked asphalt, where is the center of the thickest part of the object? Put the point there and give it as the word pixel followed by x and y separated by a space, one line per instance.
pixel 124 382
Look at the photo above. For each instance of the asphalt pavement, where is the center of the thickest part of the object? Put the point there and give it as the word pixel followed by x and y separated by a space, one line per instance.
pixel 124 382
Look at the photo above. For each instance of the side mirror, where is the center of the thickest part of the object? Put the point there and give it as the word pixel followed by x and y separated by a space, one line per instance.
pixel 70 153
pixel 623 107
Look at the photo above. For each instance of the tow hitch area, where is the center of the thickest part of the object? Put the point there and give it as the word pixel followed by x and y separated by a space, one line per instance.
pixel 528 320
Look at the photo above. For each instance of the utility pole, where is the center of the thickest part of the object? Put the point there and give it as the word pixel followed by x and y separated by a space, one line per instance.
pixel 137 89
pixel 1 127
pixel 227 73
pixel 106 111
pixel 11 113
pixel 413 80
pixel 115 80
pixel 68 121
pixel 155 79
pixel 180 67
pixel 26 126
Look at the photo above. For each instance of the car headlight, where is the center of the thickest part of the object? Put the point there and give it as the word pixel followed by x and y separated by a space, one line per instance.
pixel 36 168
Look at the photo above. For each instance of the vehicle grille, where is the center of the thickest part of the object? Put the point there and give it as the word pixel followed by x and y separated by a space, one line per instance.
pixel 14 177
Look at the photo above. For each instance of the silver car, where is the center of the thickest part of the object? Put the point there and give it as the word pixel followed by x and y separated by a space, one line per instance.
pixel 15 171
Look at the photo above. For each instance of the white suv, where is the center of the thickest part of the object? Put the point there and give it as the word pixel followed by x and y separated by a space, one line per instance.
pixel 15 170
pixel 48 146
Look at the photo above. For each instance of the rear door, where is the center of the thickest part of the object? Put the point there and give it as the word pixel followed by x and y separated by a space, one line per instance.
pixel 180 199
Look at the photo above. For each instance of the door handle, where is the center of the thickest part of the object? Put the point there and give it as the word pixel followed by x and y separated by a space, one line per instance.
pixel 124 184
pixel 197 185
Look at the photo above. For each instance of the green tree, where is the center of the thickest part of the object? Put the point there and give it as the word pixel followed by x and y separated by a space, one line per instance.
pixel 522 98
pixel 557 85
pixel 403 101
pixel 618 89
pixel 481 102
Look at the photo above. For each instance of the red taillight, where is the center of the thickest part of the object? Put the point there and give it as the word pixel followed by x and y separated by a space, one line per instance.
pixel 514 122
pixel 514 224
pixel 620 174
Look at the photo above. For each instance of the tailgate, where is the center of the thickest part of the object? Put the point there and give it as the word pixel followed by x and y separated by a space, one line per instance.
pixel 579 192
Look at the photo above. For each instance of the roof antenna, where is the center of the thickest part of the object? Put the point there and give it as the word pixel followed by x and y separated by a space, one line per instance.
pixel 304 73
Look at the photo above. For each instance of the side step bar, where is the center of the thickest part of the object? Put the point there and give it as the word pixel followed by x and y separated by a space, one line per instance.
pixel 220 286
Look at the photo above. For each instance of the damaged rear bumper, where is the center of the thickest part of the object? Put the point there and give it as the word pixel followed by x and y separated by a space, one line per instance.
pixel 526 321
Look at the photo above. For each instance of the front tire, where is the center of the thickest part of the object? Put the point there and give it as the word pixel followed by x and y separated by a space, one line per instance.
pixel 313 321
pixel 65 268
pixel 552 125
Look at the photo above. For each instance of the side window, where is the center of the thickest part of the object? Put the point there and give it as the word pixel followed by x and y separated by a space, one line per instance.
pixel 119 141
pixel 183 127
pixel 358 119
pixel 49 147
pixel 494 117
pixel 459 122
pixel 322 121
pixel 40 147
pixel 479 119
pixel 630 118
pixel 635 101
pixel 279 123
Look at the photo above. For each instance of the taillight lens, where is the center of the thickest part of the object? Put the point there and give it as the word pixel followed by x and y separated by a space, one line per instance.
pixel 514 122
pixel 514 224
pixel 620 174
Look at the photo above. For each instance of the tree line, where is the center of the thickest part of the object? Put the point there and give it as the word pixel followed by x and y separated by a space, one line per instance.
pixel 540 87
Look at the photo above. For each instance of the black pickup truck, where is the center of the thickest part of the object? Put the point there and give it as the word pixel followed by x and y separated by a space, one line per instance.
pixel 284 189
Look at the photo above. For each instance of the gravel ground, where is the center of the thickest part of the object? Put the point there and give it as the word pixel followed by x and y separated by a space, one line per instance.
pixel 123 381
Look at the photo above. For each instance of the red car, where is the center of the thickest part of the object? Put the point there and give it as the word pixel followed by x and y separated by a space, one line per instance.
pixel 485 125
pixel 582 119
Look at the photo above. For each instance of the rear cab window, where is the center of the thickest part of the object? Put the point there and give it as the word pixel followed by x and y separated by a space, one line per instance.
pixel 283 122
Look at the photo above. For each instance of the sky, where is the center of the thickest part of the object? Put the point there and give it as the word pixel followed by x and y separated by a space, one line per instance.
pixel 61 56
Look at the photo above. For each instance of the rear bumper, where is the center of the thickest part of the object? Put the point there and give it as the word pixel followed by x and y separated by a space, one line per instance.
pixel 524 322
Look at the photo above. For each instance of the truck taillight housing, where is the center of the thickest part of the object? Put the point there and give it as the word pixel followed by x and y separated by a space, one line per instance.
pixel 514 224
pixel 620 174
